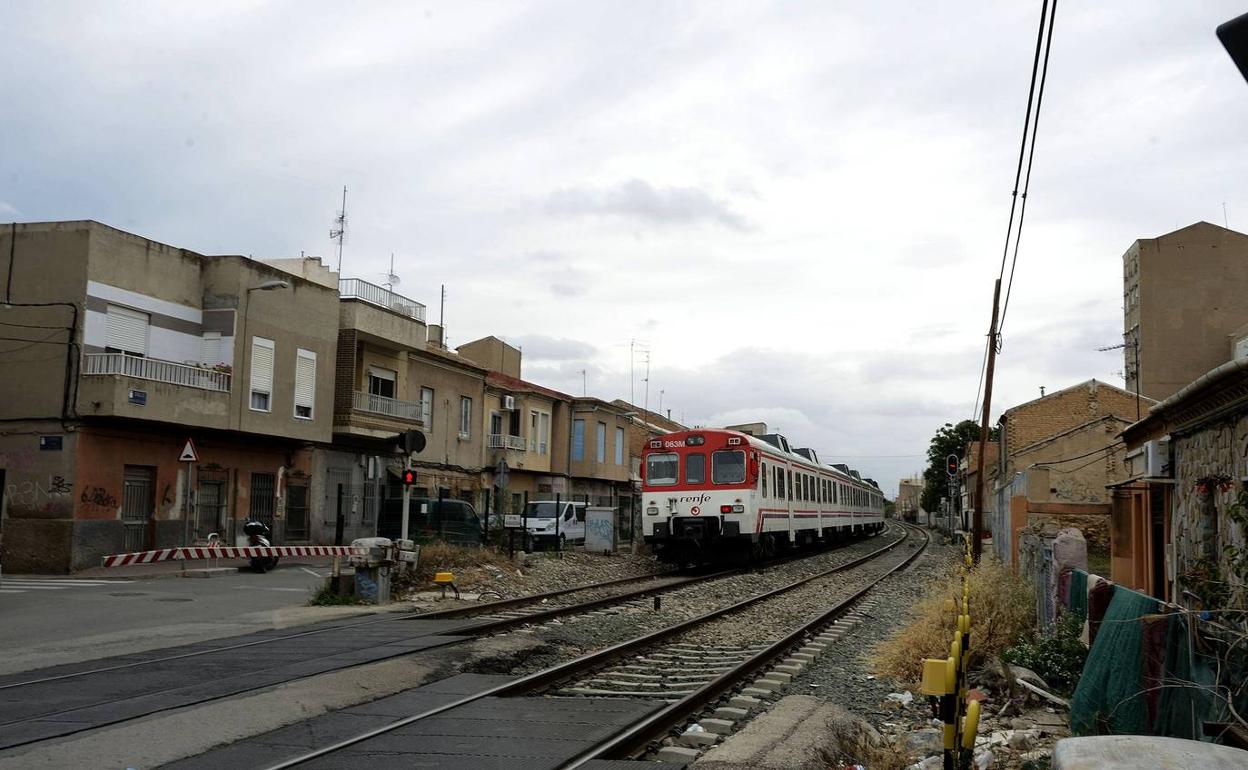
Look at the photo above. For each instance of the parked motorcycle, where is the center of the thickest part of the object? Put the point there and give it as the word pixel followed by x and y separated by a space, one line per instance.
pixel 258 535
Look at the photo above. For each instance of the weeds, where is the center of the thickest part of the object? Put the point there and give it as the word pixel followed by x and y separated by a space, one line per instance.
pixel 1058 659
pixel 327 597
pixel 1002 612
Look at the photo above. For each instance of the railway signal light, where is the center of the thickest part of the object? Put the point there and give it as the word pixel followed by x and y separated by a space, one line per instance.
pixel 951 465
pixel 409 477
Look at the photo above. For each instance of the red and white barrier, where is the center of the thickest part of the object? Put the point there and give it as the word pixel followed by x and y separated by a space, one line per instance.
pixel 220 552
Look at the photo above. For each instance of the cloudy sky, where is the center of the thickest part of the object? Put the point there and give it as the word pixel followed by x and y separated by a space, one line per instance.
pixel 798 208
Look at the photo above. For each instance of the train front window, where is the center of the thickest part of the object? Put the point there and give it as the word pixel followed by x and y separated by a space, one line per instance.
pixel 728 466
pixel 695 468
pixel 662 469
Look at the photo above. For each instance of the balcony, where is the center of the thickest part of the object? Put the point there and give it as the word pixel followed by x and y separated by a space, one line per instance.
pixel 391 407
pixel 501 441
pixel 155 370
pixel 370 416
pixel 354 288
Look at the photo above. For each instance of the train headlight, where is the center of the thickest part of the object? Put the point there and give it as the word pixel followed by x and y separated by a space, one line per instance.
pixel 652 510
pixel 738 509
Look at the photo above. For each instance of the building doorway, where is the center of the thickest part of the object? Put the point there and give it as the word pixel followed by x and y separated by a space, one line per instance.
pixel 296 512
pixel 263 488
pixel 138 506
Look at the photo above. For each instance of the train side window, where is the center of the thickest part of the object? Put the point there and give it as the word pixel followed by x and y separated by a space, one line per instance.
pixel 790 485
pixel 763 477
pixel 695 468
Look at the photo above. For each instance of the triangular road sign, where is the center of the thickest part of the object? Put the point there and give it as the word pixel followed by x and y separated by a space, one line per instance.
pixel 189 455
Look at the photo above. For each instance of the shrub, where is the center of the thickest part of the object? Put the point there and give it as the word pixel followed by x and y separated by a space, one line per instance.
pixel 1058 659
pixel 1002 612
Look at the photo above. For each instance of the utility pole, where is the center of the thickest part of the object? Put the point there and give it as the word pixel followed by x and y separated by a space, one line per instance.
pixel 978 527
pixel 407 497
pixel 632 394
pixel 339 233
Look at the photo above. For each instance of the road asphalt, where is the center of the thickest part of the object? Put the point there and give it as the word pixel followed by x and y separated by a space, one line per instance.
pixel 50 620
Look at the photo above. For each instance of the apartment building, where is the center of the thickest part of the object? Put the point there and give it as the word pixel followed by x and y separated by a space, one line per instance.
pixel 121 351
pixel 528 432
pixel 599 461
pixel 1182 299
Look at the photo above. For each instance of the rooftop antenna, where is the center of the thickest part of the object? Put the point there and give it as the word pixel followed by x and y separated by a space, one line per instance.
pixel 584 383
pixel 647 402
pixel 340 228
pixel 661 392
pixel 1041 391
pixel 392 278
pixel 1225 223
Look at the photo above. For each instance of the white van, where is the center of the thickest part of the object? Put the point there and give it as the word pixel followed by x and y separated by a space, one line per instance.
pixel 545 528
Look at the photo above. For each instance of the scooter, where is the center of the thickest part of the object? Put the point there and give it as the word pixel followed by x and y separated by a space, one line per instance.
pixel 258 535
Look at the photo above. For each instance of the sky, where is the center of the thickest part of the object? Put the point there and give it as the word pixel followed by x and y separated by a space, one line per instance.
pixel 794 211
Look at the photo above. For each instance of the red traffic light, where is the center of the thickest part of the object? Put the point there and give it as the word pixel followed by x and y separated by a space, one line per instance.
pixel 951 465
pixel 409 478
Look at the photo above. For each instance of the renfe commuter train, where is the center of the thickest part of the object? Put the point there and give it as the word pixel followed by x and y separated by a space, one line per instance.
pixel 707 493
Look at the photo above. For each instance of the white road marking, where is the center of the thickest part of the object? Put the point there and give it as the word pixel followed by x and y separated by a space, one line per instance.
pixel 269 588
pixel 312 572
pixel 9 591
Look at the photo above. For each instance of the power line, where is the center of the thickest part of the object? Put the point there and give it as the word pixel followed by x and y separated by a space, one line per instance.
pixel 1080 457
pixel 1022 147
pixel 1031 154
pixel 1081 467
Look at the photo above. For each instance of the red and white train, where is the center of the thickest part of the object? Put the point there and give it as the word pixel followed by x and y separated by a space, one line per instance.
pixel 711 492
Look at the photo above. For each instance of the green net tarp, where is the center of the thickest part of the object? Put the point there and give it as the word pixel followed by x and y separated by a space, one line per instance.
pixel 1079 594
pixel 1109 698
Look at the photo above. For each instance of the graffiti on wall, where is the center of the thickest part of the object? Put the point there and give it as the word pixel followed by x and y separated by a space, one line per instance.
pixel 97 500
pixel 36 494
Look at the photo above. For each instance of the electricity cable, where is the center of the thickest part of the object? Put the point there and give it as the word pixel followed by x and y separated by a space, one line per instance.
pixel 1031 154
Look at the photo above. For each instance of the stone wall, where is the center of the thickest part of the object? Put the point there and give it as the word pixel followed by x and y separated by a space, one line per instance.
pixel 1200 526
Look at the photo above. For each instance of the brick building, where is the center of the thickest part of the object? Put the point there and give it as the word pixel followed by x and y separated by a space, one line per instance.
pixel 1057 455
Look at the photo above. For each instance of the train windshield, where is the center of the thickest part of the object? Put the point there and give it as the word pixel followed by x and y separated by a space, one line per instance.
pixel 728 466
pixel 662 469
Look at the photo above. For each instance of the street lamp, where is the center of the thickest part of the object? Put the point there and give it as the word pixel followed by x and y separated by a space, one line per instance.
pixel 270 285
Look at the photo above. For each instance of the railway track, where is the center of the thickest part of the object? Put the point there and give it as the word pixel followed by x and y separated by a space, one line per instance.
pixel 66 700
pixel 681 692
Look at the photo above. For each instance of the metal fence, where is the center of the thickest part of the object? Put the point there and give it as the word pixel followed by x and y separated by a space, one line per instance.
pixel 354 288
pixel 155 370
pixel 367 402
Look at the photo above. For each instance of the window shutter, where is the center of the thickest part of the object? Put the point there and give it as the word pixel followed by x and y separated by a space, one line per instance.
pixel 211 355
pixel 305 378
pixel 262 364
pixel 127 330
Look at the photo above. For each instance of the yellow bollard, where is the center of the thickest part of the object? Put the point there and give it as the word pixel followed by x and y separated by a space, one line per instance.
pixel 970 726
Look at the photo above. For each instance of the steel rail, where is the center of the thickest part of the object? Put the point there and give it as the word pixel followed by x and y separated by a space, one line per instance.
pixel 636 738
pixel 475 629
pixel 541 679
pixel 437 615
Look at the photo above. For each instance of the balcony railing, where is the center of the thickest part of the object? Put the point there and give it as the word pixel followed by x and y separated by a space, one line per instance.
pixel 501 441
pixel 391 407
pixel 354 288
pixel 155 370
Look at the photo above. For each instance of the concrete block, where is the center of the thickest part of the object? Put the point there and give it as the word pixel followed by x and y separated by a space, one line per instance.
pixel 678 754
pixel 731 713
pixel 769 685
pixel 803 657
pixel 698 739
pixel 814 648
pixel 718 726
pixel 787 670
pixel 744 702
pixel 755 692
pixel 780 676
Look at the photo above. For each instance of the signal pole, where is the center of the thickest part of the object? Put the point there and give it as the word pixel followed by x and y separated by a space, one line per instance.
pixel 977 529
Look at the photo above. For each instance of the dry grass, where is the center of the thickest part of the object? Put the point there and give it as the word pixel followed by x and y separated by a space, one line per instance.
pixel 1002 611
pixel 467 562
pixel 854 742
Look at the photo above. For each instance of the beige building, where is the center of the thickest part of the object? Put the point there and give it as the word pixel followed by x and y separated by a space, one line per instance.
pixel 120 351
pixel 1183 298
pixel 1058 455
pixel 909 493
